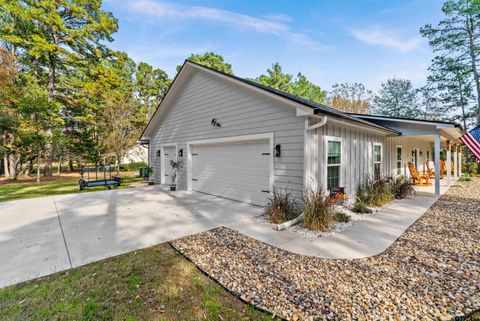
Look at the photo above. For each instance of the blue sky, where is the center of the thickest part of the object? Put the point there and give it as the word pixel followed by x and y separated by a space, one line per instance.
pixel 364 41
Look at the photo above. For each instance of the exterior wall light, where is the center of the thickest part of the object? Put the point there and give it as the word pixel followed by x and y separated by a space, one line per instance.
pixel 277 150
pixel 180 152
pixel 158 153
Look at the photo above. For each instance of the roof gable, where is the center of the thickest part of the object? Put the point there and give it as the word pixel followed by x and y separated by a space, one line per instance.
pixel 307 106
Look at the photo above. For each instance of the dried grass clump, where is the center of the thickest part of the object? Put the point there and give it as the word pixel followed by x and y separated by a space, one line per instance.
pixel 375 192
pixel 401 188
pixel 282 207
pixel 317 210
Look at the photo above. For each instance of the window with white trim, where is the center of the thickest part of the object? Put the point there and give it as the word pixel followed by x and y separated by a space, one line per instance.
pixel 334 163
pixel 399 160
pixel 377 160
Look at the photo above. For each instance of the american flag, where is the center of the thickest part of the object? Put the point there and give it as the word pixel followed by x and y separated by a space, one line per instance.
pixel 472 141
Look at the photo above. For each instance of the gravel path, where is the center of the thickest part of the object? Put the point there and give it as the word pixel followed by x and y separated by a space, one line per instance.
pixel 432 272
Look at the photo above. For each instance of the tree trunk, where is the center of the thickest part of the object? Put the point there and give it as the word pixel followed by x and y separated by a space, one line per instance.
pixel 47 167
pixel 13 167
pixel 6 166
pixel 59 168
pixel 70 165
pixel 26 170
pixel 464 119
pixel 38 165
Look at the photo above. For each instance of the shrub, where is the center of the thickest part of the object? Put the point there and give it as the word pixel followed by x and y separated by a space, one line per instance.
pixel 317 210
pixel 401 188
pixel 132 166
pixel 376 192
pixel 360 207
pixel 341 217
pixel 282 207
pixel 465 178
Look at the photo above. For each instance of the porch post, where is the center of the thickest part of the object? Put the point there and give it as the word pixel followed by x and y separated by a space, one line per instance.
pixel 437 163
pixel 449 163
pixel 455 163
pixel 459 160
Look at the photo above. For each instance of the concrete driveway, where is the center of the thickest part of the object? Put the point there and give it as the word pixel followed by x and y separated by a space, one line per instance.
pixel 45 235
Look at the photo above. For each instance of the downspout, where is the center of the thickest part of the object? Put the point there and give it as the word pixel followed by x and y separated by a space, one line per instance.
pixel 298 219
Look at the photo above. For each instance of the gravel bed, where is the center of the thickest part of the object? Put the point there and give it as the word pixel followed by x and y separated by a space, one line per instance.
pixel 336 228
pixel 432 272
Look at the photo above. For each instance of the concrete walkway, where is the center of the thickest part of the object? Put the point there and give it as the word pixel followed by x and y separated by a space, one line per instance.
pixel 45 235
pixel 50 234
pixel 366 238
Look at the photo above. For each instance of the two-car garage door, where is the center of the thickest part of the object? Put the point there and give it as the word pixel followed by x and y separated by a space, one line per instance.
pixel 234 170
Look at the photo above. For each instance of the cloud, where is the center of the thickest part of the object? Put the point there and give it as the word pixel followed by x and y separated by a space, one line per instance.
pixel 151 53
pixel 379 36
pixel 279 17
pixel 276 24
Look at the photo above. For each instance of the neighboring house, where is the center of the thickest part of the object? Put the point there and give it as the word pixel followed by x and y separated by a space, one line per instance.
pixel 238 139
pixel 135 154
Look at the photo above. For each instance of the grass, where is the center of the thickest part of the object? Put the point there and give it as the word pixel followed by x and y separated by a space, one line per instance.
pixel 61 184
pixel 282 206
pixel 155 283
pixel 317 210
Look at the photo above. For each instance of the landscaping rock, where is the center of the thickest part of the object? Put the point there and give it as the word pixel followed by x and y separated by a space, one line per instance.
pixel 432 272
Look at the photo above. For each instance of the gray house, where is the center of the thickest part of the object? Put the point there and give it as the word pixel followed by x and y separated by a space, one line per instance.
pixel 238 139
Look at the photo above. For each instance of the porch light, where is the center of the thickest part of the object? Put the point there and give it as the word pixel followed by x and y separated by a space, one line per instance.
pixel 180 152
pixel 277 150
pixel 413 153
pixel 158 153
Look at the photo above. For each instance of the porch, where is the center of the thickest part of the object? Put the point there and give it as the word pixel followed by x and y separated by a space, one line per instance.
pixel 431 157
pixel 429 190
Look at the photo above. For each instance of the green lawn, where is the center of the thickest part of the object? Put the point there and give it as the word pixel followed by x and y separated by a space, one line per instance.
pixel 21 189
pixel 155 283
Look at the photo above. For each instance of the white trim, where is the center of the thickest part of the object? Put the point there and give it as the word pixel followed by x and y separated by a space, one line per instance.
pixel 412 121
pixel 162 160
pixel 373 158
pixel 306 155
pixel 230 139
pixel 396 161
pixel 342 164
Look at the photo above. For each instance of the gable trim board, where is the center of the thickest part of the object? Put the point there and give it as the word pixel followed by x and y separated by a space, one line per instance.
pixel 253 117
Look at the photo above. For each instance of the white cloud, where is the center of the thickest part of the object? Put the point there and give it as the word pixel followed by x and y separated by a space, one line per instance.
pixel 151 53
pixel 379 36
pixel 275 24
pixel 279 17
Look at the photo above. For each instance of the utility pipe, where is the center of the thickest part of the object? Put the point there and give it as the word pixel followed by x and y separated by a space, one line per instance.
pixel 280 227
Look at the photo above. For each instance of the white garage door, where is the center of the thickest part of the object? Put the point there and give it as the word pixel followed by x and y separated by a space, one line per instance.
pixel 169 153
pixel 238 171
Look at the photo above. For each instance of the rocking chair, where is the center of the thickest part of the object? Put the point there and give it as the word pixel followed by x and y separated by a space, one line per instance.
pixel 416 176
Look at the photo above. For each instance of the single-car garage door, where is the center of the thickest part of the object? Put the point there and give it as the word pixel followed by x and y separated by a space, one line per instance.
pixel 235 170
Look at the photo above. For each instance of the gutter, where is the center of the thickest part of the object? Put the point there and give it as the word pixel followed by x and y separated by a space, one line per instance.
pixel 318 125
pixel 299 218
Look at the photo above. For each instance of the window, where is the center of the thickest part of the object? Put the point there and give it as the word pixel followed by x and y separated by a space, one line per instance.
pixel 377 160
pixel 334 162
pixel 399 160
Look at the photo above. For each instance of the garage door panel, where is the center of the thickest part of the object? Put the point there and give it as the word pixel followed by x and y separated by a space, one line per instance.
pixel 237 171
